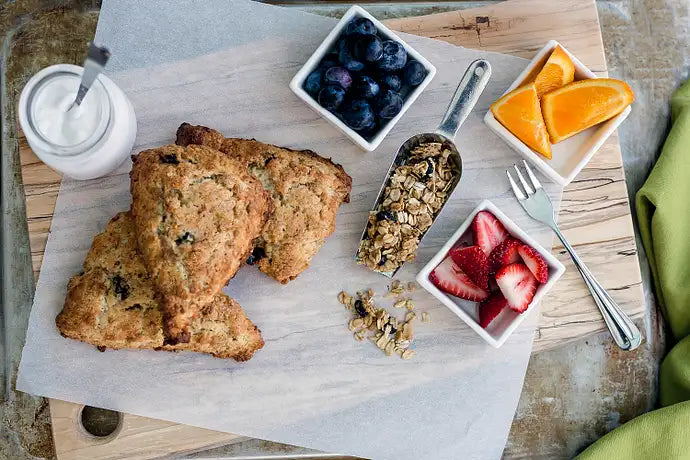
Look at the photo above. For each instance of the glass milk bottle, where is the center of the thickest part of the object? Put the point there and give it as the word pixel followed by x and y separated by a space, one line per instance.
pixel 86 142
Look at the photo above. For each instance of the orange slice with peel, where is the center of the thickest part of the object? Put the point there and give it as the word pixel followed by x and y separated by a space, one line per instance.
pixel 583 104
pixel 520 113
pixel 558 71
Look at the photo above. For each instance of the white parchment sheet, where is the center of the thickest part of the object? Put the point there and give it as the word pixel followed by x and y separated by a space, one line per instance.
pixel 227 65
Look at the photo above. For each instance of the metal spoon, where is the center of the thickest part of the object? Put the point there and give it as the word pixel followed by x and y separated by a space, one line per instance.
pixel 96 59
pixel 466 96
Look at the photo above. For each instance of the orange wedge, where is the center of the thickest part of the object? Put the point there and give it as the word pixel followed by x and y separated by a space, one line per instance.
pixel 520 113
pixel 558 71
pixel 583 104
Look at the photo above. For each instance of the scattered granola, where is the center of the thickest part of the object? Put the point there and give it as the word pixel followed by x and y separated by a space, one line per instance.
pixel 425 317
pixel 388 333
pixel 415 193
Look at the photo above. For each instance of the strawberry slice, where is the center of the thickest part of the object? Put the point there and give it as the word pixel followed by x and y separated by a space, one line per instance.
pixel 488 231
pixel 490 308
pixel 504 254
pixel 535 262
pixel 518 285
pixel 473 262
pixel 449 278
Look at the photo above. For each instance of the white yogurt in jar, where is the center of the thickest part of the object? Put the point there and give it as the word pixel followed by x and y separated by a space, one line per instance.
pixel 88 141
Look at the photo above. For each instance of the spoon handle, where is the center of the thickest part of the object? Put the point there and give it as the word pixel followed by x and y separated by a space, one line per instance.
pixel 466 96
pixel 93 66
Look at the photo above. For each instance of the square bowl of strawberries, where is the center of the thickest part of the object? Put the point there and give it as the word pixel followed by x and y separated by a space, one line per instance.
pixel 490 273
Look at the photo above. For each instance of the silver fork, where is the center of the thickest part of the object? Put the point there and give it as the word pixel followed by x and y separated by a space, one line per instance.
pixel 538 205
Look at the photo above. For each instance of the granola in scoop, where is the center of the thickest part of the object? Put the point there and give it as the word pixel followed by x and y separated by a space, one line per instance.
pixel 415 194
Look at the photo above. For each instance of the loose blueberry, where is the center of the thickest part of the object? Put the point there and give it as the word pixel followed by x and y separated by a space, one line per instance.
pixel 338 76
pixel 388 104
pixel 346 56
pixel 365 87
pixel 360 26
pixel 359 308
pixel 414 73
pixel 394 56
pixel 369 48
pixel 313 83
pixel 391 82
pixel 331 97
pixel 358 114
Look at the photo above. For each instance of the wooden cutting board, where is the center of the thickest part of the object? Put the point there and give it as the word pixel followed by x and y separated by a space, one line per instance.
pixel 594 215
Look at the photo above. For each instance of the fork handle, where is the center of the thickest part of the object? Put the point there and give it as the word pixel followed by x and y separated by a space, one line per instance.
pixel 623 330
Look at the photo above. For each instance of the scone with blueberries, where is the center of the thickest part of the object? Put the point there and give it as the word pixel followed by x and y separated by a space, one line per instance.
pixel 113 304
pixel 197 213
pixel 306 191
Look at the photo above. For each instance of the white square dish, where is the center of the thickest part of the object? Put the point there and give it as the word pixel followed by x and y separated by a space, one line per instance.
pixel 498 331
pixel 572 154
pixel 297 83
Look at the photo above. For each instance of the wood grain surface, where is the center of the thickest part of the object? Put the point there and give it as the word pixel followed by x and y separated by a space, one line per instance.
pixel 594 214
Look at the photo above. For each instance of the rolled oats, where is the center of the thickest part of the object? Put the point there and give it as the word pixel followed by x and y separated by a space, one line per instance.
pixel 411 200
pixel 390 334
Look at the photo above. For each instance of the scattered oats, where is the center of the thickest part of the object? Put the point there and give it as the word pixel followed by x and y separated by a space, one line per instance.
pixel 400 303
pixel 389 333
pixel 411 286
pixel 407 354
pixel 409 304
pixel 425 317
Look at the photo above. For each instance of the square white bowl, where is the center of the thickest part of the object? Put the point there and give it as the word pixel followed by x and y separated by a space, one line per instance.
pixel 297 83
pixel 572 154
pixel 498 331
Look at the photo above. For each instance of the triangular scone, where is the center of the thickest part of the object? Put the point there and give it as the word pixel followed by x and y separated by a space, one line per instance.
pixel 113 305
pixel 197 213
pixel 306 192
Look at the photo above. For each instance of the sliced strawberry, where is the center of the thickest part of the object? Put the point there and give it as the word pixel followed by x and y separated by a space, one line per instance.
pixel 518 285
pixel 504 254
pixel 490 308
pixel 449 278
pixel 535 262
pixel 473 262
pixel 488 232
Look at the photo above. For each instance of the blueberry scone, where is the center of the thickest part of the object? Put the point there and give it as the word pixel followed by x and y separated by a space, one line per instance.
pixel 306 191
pixel 113 304
pixel 197 214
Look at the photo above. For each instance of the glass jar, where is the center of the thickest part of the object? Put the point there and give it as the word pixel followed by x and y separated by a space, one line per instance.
pixel 86 142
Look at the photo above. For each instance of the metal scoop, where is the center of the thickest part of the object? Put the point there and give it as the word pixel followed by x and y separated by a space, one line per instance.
pixel 466 96
pixel 96 59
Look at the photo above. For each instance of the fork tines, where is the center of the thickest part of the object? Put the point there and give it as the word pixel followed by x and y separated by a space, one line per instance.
pixel 529 189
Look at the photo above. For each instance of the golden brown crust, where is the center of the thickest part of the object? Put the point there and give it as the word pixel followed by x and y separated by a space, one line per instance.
pixel 197 213
pixel 113 304
pixel 306 190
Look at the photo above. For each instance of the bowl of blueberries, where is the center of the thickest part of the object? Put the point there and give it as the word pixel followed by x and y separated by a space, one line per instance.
pixel 362 78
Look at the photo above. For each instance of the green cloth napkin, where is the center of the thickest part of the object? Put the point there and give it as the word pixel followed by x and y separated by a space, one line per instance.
pixel 663 212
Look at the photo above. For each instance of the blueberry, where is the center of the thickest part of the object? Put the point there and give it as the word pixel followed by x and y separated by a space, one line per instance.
pixel 386 215
pixel 312 85
pixel 329 60
pixel 365 87
pixel 394 56
pixel 388 104
pixel 391 81
pixel 346 56
pixel 368 48
pixel 359 308
pixel 337 76
pixel 331 97
pixel 256 255
pixel 358 114
pixel 360 26
pixel 414 73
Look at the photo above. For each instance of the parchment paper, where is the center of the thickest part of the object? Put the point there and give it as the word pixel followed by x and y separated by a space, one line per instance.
pixel 227 65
